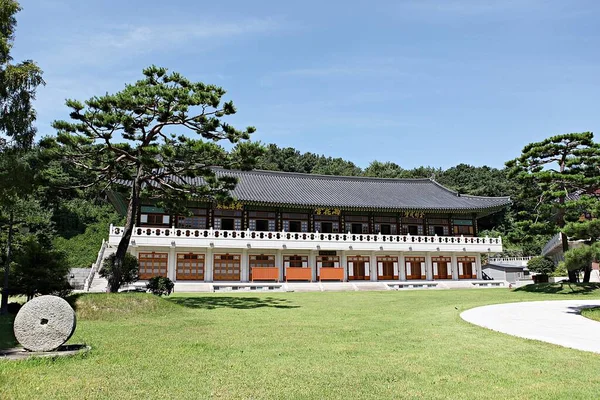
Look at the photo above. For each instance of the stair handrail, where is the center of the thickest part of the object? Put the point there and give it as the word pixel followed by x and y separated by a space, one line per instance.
pixel 95 266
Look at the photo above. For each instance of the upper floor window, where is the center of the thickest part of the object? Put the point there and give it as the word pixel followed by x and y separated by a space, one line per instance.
pixel 154 219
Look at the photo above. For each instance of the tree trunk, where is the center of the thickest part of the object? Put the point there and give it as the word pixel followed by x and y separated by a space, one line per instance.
pixel 5 289
pixel 132 210
pixel 587 273
pixel 565 247
pixel 573 277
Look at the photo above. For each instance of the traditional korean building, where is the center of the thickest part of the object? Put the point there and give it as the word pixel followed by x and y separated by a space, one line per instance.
pixel 300 227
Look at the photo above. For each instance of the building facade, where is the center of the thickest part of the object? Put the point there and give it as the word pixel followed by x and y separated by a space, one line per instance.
pixel 300 227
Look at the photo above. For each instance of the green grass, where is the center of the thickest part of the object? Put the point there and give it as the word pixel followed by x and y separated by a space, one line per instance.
pixel 371 345
pixel 591 313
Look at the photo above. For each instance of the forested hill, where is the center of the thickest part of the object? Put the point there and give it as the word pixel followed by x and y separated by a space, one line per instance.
pixel 479 181
pixel 81 224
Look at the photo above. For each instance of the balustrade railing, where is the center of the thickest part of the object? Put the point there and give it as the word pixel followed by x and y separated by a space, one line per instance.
pixel 508 259
pixel 301 236
pixel 96 265
pixel 552 243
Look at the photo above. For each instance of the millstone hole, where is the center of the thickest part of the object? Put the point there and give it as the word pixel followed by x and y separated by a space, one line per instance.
pixel 44 321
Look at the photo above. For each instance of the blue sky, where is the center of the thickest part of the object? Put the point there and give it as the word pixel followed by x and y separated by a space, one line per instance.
pixel 417 82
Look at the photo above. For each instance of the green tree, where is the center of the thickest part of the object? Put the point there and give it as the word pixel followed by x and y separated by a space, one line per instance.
pixel 580 258
pixel 383 170
pixel 131 137
pixel 124 274
pixel 541 265
pixel 586 227
pixel 38 269
pixel 18 83
pixel 549 173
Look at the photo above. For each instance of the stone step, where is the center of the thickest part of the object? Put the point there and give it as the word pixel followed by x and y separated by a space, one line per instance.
pixel 302 287
pixel 371 286
pixel 337 286
pixel 193 287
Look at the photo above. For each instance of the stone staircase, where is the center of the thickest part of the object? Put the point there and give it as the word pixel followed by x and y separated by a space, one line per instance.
pixel 77 277
pixel 96 283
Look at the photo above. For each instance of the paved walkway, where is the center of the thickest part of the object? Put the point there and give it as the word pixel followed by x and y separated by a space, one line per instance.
pixel 556 322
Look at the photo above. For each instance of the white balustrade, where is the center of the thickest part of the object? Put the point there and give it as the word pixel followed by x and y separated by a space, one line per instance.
pixel 156 236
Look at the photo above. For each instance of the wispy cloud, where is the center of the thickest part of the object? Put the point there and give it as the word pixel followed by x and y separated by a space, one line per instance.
pixel 157 36
pixel 107 45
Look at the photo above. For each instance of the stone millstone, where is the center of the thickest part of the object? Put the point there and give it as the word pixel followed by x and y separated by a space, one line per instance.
pixel 44 323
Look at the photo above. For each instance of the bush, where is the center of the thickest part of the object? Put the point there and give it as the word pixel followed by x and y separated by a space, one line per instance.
pixel 117 277
pixel 38 270
pixel 541 265
pixel 561 270
pixel 160 285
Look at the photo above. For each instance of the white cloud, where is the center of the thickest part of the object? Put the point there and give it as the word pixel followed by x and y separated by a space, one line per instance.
pixel 157 36
pixel 108 45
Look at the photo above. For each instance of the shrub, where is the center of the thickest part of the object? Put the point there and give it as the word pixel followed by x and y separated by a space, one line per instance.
pixel 37 270
pixel 160 285
pixel 117 277
pixel 541 265
pixel 561 270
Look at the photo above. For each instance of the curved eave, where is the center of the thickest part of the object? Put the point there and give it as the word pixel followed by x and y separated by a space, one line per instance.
pixel 481 212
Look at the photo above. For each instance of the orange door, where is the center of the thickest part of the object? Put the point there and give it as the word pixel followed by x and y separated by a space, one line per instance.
pixel 261 261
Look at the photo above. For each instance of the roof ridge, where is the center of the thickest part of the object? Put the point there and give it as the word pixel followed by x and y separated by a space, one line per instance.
pixel 329 177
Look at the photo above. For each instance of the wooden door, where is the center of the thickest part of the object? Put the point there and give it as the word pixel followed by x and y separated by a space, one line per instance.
pixel 442 267
pixel 415 268
pixel 190 266
pixel 227 267
pixel 387 268
pixel 152 264
pixel 358 268
pixel 466 268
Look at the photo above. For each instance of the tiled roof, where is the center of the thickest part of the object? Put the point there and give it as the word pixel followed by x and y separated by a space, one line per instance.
pixel 270 187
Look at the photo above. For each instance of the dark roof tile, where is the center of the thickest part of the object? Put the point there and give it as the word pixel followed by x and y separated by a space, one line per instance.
pixel 271 187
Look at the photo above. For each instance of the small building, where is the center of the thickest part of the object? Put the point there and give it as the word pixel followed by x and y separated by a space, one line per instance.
pixel 511 273
pixel 300 227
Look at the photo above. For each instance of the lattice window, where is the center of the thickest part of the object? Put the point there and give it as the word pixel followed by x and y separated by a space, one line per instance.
pixel 295 261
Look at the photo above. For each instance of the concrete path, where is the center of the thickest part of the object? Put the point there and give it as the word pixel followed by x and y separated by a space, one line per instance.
pixel 556 322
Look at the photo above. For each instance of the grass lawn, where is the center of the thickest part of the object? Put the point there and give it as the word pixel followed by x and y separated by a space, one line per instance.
pixel 591 313
pixel 345 345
